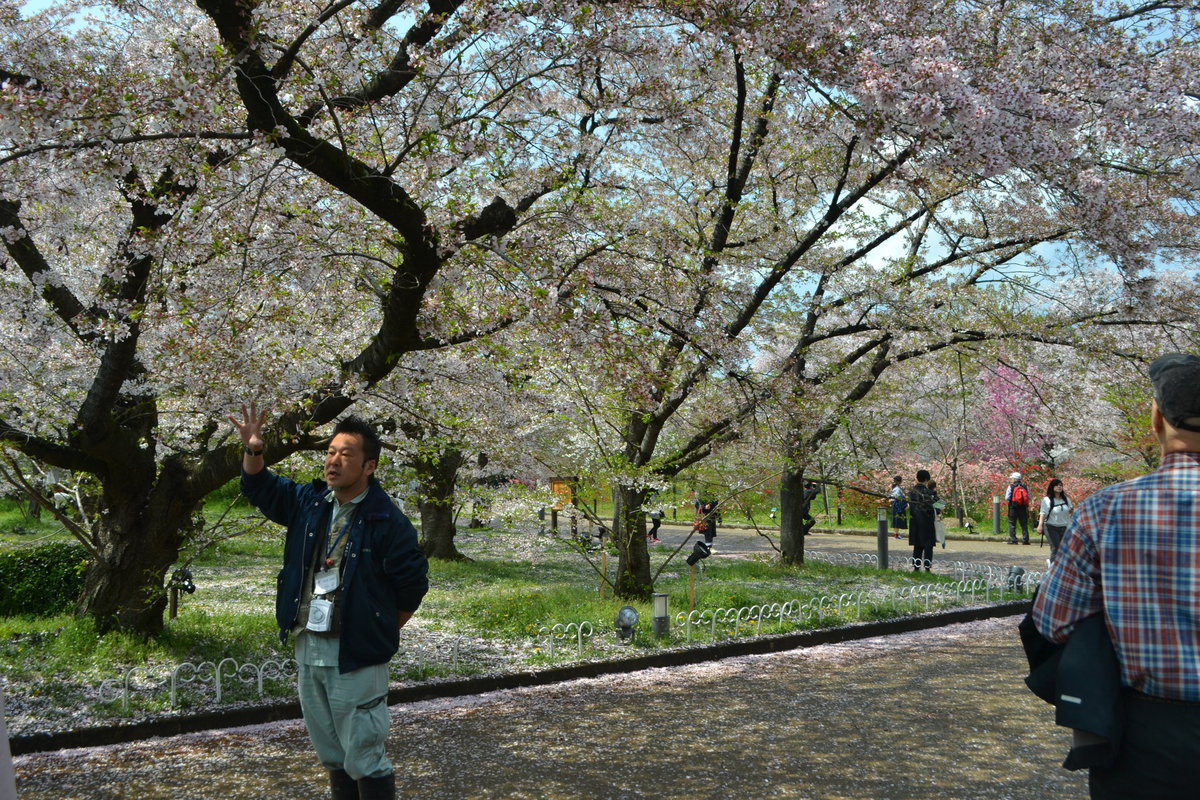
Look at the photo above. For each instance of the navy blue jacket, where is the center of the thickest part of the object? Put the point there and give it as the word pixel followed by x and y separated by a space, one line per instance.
pixel 385 571
pixel 1082 679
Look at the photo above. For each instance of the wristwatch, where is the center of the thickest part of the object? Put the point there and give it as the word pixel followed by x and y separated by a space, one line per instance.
pixel 250 452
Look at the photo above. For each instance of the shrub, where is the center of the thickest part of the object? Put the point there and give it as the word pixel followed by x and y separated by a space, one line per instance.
pixel 41 581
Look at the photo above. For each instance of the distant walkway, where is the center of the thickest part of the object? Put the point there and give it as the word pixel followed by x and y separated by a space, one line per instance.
pixel 934 714
pixel 742 541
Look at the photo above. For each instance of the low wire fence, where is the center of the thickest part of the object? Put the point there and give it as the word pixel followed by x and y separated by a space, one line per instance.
pixel 215 679
pixel 227 680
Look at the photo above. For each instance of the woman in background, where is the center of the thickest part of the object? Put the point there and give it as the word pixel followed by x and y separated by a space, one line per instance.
pixel 1054 514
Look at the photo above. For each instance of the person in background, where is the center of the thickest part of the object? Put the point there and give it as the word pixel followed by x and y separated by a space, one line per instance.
pixel 899 506
pixel 1017 496
pixel 1132 553
pixel 922 534
pixel 353 574
pixel 656 518
pixel 807 520
pixel 1054 514
pixel 706 517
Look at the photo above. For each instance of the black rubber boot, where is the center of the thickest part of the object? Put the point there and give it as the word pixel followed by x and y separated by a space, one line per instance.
pixel 342 786
pixel 377 788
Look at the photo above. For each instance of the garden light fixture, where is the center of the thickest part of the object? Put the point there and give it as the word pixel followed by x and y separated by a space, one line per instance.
pixel 627 620
pixel 661 621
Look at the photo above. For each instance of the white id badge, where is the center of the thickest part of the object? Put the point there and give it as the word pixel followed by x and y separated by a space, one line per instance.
pixel 320 615
pixel 327 580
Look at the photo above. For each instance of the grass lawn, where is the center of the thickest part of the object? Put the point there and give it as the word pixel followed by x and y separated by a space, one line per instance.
pixel 490 614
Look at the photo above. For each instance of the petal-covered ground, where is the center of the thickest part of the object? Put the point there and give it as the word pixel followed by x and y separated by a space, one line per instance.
pixel 934 714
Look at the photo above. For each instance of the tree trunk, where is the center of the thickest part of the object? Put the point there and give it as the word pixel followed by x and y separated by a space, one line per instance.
pixel 139 540
pixel 629 534
pixel 436 475
pixel 791 502
pixel 124 590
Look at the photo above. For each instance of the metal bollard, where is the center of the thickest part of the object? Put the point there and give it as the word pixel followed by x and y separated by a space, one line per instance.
pixel 995 515
pixel 881 535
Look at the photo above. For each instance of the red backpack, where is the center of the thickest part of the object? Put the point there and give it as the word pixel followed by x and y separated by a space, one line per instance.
pixel 1020 495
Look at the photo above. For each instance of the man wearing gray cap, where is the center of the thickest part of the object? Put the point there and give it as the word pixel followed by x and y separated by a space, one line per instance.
pixel 1132 552
pixel 1017 497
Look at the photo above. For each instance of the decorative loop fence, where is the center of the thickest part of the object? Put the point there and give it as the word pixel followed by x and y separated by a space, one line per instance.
pixel 572 630
pixel 418 660
pixel 735 622
pixel 997 575
pixel 152 680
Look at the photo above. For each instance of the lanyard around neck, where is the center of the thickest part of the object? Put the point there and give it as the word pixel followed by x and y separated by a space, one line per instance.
pixel 335 542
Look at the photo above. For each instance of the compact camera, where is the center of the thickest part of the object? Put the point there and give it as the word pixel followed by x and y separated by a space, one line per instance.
pixel 320 615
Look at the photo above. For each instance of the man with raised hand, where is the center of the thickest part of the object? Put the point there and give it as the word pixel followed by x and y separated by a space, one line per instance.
pixel 353 574
pixel 1132 552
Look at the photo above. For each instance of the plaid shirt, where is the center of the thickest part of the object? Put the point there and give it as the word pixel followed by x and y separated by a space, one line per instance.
pixel 1133 551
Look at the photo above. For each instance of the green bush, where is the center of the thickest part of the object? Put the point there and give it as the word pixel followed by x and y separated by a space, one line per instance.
pixel 41 581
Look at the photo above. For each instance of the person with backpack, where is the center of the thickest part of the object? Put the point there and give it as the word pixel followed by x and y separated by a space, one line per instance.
pixel 1054 514
pixel 707 516
pixel 1129 556
pixel 1017 497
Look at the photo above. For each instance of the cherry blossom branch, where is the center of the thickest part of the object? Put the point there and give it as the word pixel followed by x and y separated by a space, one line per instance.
pixel 16 478
pixel 87 144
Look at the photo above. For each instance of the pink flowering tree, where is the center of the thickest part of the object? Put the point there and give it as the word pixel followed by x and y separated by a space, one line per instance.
pixel 1010 423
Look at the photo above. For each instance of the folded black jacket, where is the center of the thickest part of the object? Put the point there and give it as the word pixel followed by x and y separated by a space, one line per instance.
pixel 1082 680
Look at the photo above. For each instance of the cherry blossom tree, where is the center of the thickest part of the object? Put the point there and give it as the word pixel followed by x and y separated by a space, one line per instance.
pixel 986 171
pixel 284 200
pixel 1008 427
pixel 203 205
pixel 851 188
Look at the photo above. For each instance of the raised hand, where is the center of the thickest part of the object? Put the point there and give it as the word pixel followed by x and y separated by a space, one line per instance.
pixel 250 426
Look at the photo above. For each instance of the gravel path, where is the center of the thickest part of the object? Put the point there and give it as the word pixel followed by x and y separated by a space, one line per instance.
pixel 935 714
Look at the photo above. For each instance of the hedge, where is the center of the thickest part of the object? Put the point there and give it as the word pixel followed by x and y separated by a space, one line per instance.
pixel 43 580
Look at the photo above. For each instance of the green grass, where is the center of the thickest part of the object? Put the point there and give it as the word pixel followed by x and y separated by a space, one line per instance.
pixel 516 586
pixel 17 528
pixel 33 648
pixel 487 598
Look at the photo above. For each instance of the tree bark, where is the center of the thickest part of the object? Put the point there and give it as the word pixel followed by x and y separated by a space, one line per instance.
pixel 629 535
pixel 149 517
pixel 791 502
pixel 437 474
pixel 124 590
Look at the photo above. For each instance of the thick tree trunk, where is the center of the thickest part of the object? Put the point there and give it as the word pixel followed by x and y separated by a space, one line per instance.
pixel 437 475
pixel 629 535
pixel 791 503
pixel 140 537
pixel 124 590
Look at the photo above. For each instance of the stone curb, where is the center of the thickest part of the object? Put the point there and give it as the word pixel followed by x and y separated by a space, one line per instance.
pixel 238 717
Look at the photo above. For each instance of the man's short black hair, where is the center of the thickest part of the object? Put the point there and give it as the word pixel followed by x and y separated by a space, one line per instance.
pixel 923 475
pixel 354 424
